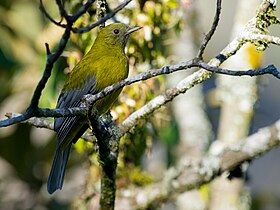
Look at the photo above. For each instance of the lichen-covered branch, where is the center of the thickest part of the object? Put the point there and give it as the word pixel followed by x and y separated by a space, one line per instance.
pixel 193 174
pixel 40 122
pixel 101 11
pixel 108 148
pixel 235 121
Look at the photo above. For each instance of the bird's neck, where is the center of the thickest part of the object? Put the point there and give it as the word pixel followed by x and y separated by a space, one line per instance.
pixel 108 49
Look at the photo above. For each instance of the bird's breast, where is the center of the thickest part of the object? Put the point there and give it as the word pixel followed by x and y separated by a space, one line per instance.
pixel 113 70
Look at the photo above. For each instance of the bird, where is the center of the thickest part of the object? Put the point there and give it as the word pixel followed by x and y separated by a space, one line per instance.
pixel 105 64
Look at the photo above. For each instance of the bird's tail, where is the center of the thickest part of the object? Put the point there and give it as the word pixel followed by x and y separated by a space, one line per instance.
pixel 55 180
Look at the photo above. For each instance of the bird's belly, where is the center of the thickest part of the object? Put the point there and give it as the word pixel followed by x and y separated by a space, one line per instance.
pixel 104 104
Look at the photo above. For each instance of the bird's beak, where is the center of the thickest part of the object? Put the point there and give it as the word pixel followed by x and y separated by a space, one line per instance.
pixel 133 29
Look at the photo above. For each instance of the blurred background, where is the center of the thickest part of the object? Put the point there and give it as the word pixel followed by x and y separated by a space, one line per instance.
pixel 185 128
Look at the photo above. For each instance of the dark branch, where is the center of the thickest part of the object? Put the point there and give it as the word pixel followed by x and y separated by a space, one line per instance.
pixel 48 51
pixel 43 112
pixel 44 11
pixel 212 30
pixel 97 23
pixel 108 146
pixel 81 11
pixel 51 58
pixel 143 76
pixel 271 69
pixel 14 120
pixel 62 11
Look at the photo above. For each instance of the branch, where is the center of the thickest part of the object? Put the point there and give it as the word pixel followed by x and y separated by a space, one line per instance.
pixel 44 11
pixel 260 39
pixel 102 20
pixel 189 82
pixel 101 11
pixel 81 11
pixel 108 149
pixel 270 69
pixel 141 77
pixel 212 30
pixel 43 112
pixel 62 11
pixel 35 121
pixel 51 59
pixel 43 123
pixel 193 174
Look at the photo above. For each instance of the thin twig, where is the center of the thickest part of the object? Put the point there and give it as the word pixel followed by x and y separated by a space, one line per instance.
pixel 51 59
pixel 62 11
pixel 14 120
pixel 44 11
pixel 34 121
pixel 101 11
pixel 209 35
pixel 40 122
pixel 97 23
pixel 81 11
pixel 270 69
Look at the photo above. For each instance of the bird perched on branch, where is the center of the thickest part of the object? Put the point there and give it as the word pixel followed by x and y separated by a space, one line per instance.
pixel 104 65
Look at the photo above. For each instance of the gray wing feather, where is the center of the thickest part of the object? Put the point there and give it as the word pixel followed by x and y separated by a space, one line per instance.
pixel 69 99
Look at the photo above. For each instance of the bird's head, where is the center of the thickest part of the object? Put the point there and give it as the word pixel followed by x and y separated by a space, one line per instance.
pixel 116 34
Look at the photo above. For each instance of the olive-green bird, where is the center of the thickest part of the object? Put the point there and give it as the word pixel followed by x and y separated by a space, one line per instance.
pixel 104 65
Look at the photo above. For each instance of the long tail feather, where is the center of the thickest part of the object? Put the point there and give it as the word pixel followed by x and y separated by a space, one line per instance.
pixel 55 180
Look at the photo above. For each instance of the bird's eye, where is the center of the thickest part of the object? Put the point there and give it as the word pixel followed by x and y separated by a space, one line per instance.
pixel 116 31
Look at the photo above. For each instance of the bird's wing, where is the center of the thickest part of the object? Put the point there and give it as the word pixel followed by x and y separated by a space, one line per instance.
pixel 69 99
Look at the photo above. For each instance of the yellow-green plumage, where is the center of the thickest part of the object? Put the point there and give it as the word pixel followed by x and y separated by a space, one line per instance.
pixel 104 65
